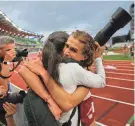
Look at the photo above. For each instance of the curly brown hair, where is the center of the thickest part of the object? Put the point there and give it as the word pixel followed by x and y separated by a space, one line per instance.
pixel 89 46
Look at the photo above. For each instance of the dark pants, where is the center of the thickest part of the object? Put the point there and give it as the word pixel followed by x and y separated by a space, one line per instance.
pixel 37 111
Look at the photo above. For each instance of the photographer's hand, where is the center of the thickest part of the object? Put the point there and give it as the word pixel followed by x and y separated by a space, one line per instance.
pixel 10 55
pixel 10 111
pixel 9 108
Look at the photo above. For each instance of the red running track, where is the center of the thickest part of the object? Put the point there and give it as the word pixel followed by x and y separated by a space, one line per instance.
pixel 114 103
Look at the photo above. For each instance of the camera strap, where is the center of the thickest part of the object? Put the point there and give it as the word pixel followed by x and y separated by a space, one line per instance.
pixel 18 63
pixel 69 122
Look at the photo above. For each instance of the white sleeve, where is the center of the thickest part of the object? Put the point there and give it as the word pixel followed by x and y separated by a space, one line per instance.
pixel 89 79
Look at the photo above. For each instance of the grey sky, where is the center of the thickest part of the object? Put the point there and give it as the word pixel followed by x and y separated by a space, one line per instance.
pixel 45 17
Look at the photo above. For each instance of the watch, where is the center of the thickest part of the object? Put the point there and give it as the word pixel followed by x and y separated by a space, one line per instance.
pixel 6 62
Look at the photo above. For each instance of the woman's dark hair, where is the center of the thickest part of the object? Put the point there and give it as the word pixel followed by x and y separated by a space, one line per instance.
pixel 51 53
pixel 58 38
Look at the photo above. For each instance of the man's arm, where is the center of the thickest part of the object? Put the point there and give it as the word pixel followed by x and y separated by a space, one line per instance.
pixel 88 78
pixel 65 100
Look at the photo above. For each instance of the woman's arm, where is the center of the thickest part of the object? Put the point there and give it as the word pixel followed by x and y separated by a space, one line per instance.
pixel 35 84
pixel 65 100
pixel 37 87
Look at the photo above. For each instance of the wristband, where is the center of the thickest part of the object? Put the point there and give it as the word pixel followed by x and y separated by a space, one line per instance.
pixel 48 98
pixel 6 62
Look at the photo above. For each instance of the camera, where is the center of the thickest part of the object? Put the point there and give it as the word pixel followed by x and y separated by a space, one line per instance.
pixel 20 54
pixel 15 98
pixel 119 19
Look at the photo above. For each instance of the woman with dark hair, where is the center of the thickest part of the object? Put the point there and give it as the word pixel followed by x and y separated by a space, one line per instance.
pixel 65 74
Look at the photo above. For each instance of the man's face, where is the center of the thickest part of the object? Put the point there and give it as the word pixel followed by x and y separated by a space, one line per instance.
pixel 73 49
pixel 6 48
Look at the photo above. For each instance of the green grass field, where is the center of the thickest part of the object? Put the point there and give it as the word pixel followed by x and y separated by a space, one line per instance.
pixel 116 57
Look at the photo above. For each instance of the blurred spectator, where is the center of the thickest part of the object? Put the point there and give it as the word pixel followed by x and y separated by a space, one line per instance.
pixel 106 50
pixel 7 54
pixel 125 50
pixel 132 53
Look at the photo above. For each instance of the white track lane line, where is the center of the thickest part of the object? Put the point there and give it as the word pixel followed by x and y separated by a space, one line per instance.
pixel 119 73
pixel 113 100
pixel 119 69
pixel 119 78
pixel 120 87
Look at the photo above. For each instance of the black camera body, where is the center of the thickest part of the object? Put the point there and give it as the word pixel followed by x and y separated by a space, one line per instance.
pixel 20 54
pixel 119 19
pixel 14 98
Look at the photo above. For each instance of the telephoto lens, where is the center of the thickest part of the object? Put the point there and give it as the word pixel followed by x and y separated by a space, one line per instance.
pixel 119 19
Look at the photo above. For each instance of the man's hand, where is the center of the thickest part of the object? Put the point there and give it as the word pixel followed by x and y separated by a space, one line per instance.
pixel 3 92
pixel 10 55
pixel 99 50
pixel 9 108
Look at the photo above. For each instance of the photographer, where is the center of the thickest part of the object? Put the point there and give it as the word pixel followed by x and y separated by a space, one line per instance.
pixel 7 55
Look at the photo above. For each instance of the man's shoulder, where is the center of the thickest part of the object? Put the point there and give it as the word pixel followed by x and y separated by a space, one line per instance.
pixel 70 65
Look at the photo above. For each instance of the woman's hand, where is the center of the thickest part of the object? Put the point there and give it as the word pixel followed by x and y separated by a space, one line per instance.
pixel 35 66
pixel 54 108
